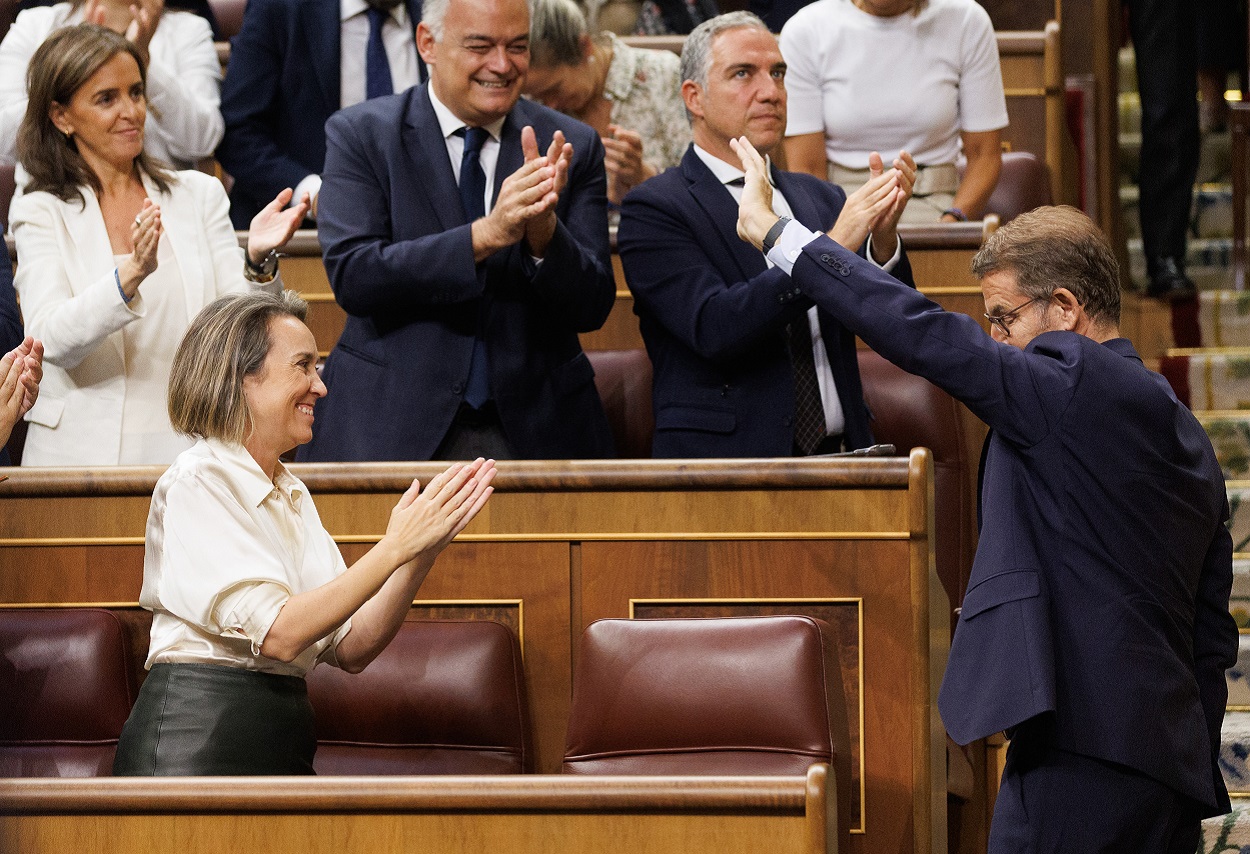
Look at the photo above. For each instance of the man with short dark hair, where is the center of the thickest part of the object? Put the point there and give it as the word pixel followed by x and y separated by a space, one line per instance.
pixel 744 365
pixel 1095 629
pixel 465 234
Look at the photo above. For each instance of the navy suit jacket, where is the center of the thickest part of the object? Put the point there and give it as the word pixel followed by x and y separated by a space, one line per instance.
pixel 282 83
pixel 11 333
pixel 713 316
pixel 399 255
pixel 1099 591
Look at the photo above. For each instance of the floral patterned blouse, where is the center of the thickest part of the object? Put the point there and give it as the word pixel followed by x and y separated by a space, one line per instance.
pixel 644 87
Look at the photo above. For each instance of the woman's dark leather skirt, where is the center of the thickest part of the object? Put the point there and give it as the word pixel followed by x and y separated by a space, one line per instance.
pixel 205 719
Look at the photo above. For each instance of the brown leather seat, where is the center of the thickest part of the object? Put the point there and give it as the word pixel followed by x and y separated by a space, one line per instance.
pixel 8 186
pixel 740 696
pixel 445 697
pixel 1023 184
pixel 623 378
pixel 229 15
pixel 910 412
pixel 66 688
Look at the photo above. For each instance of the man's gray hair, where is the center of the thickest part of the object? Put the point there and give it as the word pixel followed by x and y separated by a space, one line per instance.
pixel 696 54
pixel 434 11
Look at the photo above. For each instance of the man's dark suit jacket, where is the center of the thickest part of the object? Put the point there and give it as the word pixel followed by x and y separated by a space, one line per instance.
pixel 11 333
pixel 399 254
pixel 282 83
pixel 713 316
pixel 1099 591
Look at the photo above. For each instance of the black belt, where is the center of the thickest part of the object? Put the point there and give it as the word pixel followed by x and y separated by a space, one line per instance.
pixel 487 415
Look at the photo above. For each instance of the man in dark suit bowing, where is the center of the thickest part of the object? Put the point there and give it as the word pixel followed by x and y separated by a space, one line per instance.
pixel 744 365
pixel 467 258
pixel 1095 630
pixel 293 64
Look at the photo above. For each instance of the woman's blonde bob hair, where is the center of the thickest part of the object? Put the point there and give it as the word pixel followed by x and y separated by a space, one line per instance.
pixel 227 341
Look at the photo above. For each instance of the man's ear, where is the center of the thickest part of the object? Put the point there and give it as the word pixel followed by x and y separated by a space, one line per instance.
pixel 1072 310
pixel 692 95
pixel 425 43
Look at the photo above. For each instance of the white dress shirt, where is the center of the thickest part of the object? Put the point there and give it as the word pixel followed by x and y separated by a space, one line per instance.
pixel 225 548
pixel 448 124
pixel 399 39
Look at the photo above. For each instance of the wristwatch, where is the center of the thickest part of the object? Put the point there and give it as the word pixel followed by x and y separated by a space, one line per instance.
pixel 774 234
pixel 265 270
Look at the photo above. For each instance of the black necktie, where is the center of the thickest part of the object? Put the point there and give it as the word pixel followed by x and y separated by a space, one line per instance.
pixel 473 197
pixel 809 412
pixel 472 176
pixel 377 69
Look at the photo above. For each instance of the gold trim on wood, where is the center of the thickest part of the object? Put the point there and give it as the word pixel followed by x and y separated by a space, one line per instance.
pixel 858 602
pixel 468 603
pixel 71 541
pixel 1026 92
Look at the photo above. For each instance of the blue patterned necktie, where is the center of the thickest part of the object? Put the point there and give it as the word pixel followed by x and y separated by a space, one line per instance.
pixel 473 197
pixel 377 68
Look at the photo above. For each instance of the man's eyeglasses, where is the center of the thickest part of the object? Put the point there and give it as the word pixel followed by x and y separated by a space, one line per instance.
pixel 1003 321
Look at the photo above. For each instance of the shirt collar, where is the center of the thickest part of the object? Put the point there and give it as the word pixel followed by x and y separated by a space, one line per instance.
pixel 448 123
pixel 726 172
pixel 246 473
pixel 352 8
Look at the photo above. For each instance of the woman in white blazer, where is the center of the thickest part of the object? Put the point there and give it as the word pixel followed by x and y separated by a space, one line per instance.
pixel 184 123
pixel 116 255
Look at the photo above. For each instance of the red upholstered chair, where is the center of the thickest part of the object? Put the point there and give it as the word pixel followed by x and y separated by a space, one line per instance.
pixel 1023 184
pixel 910 412
pixel 66 688
pixel 445 697
pixel 623 379
pixel 229 15
pixel 737 696
pixel 8 186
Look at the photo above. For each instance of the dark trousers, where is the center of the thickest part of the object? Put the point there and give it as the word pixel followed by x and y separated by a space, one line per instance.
pixel 1167 80
pixel 1055 802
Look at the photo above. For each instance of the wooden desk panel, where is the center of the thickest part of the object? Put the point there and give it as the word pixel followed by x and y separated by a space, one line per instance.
pixel 564 543
pixel 510 815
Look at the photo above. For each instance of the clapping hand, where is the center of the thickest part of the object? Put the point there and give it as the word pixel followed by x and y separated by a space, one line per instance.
pixel 885 232
pixel 542 227
pixel 623 162
pixel 21 369
pixel 866 208
pixel 145 236
pixel 425 521
pixel 274 225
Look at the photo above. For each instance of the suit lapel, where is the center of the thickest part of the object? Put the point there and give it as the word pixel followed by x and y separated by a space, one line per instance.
pixel 95 253
pixel 426 152
pixel 715 200
pixel 322 29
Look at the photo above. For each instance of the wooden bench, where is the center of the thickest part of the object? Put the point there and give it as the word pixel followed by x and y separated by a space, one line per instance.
pixel 562 544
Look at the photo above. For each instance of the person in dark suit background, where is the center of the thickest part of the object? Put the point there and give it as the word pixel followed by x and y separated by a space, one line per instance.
pixel 293 64
pixel 1165 46
pixel 1095 629
pixel 715 318
pixel 466 272
pixel 22 364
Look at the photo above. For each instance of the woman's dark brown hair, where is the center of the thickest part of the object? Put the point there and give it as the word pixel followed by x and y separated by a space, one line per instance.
pixel 63 63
